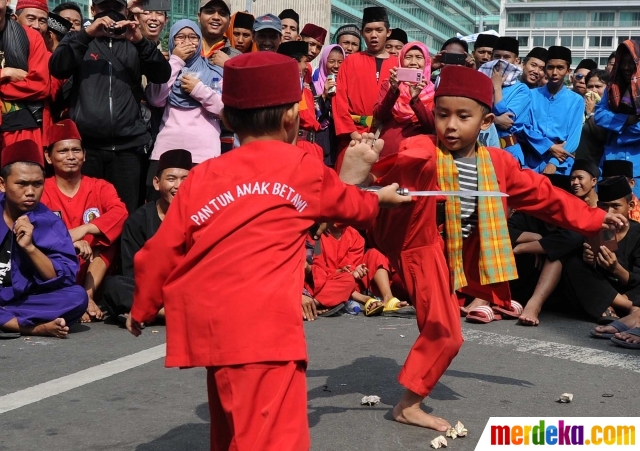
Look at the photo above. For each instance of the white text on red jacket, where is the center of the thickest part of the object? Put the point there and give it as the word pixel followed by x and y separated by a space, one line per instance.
pixel 249 189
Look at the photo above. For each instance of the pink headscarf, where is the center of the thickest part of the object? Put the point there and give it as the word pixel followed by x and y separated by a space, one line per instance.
pixel 322 67
pixel 402 111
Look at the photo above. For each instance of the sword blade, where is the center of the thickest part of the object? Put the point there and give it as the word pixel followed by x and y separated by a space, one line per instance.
pixel 457 193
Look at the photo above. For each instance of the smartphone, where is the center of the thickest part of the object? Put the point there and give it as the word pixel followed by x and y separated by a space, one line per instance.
pixel 156 5
pixel 410 75
pixel 458 59
pixel 606 238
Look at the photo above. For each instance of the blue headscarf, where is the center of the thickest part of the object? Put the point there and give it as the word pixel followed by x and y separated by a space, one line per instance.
pixel 206 71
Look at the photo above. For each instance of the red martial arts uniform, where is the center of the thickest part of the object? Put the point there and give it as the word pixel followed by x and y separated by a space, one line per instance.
pixel 409 237
pixel 356 96
pixel 228 266
pixel 35 87
pixel 312 148
pixel 308 120
pixel 331 286
pixel 96 202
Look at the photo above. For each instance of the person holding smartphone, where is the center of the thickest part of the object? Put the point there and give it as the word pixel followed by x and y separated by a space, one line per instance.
pixel 405 101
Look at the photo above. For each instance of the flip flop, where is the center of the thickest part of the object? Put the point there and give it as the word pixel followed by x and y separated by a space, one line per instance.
pixel 9 335
pixel 392 309
pixel 623 344
pixel 483 315
pixel 332 311
pixel 619 326
pixel 514 313
pixel 374 311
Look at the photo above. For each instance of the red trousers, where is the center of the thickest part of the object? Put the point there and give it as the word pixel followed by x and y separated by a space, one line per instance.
pixel 426 275
pixel 374 260
pixel 259 407
pixel 34 134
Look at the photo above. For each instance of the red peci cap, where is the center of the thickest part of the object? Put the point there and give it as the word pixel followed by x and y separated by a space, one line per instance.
pixel 315 32
pixel 460 81
pixel 62 130
pixel 37 4
pixel 26 151
pixel 261 79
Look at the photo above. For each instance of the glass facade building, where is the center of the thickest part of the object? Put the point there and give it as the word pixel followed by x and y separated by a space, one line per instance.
pixel 429 21
pixel 590 28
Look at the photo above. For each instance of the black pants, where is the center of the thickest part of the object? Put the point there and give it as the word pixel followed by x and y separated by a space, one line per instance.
pixel 117 295
pixel 121 168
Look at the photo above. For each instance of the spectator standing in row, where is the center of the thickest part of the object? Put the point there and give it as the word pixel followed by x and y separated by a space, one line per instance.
pixel 290 23
pixel 533 67
pixel 267 33
pixel 619 110
pixel 397 39
pixel 33 14
pixel 483 48
pixel 349 38
pixel 191 99
pixel 240 32
pixel 25 81
pixel 214 18
pixel 71 12
pixel 107 74
pixel 361 77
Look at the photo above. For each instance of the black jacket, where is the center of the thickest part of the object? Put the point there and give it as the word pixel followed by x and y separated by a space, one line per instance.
pixel 105 102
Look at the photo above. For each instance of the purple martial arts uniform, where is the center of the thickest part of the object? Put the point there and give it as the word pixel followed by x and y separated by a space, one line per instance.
pixel 29 298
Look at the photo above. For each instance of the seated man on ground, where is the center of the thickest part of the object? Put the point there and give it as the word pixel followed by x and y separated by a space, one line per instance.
pixel 89 207
pixel 38 264
pixel 604 278
pixel 540 249
pixel 584 177
pixel 173 167
pixel 342 270
pixel 613 168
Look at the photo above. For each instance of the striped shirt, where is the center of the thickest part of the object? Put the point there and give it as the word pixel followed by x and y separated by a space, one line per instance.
pixel 468 181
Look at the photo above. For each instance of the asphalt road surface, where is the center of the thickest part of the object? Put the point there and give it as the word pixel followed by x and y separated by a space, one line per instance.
pixel 102 389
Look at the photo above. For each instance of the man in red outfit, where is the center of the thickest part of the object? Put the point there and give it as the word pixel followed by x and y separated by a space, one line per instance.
pixel 33 14
pixel 361 76
pixel 24 81
pixel 479 258
pixel 89 207
pixel 239 223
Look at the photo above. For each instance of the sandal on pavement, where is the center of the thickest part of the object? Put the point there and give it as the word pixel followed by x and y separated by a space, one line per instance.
pixel 483 315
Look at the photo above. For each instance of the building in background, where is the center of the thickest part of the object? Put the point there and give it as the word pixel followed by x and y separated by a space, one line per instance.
pixel 429 21
pixel 590 28
pixel 84 5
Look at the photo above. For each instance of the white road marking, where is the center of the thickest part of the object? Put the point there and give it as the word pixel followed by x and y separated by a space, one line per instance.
pixel 578 354
pixel 55 387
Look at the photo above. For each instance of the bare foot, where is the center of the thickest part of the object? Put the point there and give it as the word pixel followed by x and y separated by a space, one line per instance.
pixel 93 312
pixel 359 156
pixel 415 416
pixel 57 328
pixel 529 316
pixel 477 302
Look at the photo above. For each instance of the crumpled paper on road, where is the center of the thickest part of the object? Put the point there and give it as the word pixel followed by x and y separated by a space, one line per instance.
pixel 439 442
pixel 457 431
pixel 370 400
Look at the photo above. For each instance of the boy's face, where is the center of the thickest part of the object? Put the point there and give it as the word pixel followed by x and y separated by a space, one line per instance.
pixel 349 43
pixel 556 70
pixel 302 66
pixel 459 120
pixel 482 55
pixel 289 30
pixel 621 206
pixel 505 55
pixel 315 47
pixel 169 181
pixel 582 183
pixel 533 71
pixel 375 36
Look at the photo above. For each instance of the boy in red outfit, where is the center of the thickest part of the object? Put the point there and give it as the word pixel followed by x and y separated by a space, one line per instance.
pixel 342 270
pixel 236 231
pixel 89 207
pixel 479 261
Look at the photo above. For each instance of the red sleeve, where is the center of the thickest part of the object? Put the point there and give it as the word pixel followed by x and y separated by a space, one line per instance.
pixel 424 114
pixel 340 104
pixel 159 256
pixel 311 148
pixel 115 214
pixel 37 84
pixel 340 202
pixel 356 247
pixel 386 100
pixel 308 118
pixel 534 194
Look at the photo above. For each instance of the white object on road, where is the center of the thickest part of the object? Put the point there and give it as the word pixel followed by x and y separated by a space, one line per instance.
pixel 370 400
pixel 457 431
pixel 566 397
pixel 439 442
